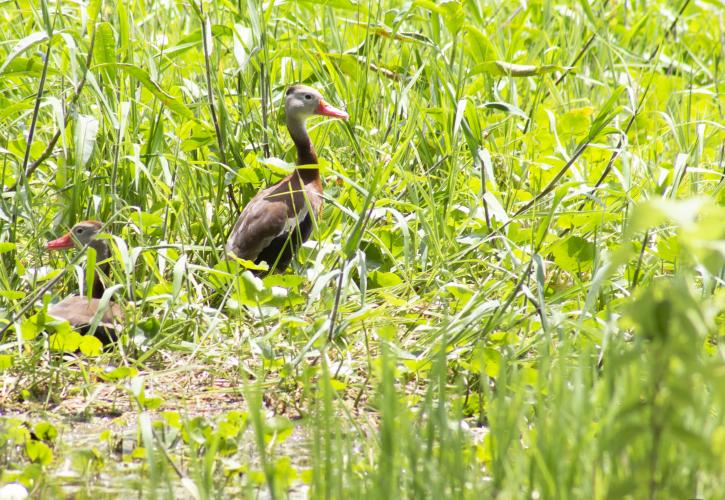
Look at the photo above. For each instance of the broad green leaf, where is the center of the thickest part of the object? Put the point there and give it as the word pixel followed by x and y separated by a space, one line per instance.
pixel 576 121
pixel 356 6
pixel 123 27
pixel 507 108
pixel 84 138
pixel 94 8
pixel 243 42
pixel 429 5
pixel 462 293
pixel 6 361
pixel 193 39
pixel 278 424
pixel 22 66
pixel 119 373
pixel 148 223
pixel 292 281
pixel 150 326
pixel 6 246
pixel 29 328
pixel 22 46
pixel 478 45
pixel 104 50
pixel 200 137
pixel 18 107
pixel 45 431
pixel 453 15
pixel 90 346
pixel 38 452
pixel 246 264
pixel 573 253
pixel 502 68
pixel 143 77
pixel 659 210
pixel 378 279
pixel 172 418
pixel 491 361
pixel 151 403
pixel 606 113
pixel 277 165
pixel 249 290
pixel 588 11
pixel 65 342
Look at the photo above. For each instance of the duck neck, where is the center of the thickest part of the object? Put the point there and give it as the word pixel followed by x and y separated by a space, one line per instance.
pixel 305 151
pixel 102 255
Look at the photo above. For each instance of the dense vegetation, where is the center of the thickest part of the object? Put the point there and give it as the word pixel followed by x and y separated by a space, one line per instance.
pixel 515 289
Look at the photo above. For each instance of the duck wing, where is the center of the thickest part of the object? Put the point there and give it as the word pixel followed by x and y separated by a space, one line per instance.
pixel 264 228
pixel 79 312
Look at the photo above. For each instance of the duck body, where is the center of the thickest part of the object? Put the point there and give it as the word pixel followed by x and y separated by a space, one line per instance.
pixel 276 222
pixel 78 310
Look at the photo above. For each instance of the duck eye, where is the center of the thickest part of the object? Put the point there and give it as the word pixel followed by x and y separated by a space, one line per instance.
pixel 308 97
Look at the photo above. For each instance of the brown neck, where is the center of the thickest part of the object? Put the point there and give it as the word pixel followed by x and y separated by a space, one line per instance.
pixel 102 254
pixel 306 156
pixel 305 152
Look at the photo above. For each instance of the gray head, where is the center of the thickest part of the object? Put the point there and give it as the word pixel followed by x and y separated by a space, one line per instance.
pixel 83 233
pixel 302 101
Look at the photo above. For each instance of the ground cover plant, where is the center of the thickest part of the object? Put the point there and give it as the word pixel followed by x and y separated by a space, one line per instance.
pixel 514 290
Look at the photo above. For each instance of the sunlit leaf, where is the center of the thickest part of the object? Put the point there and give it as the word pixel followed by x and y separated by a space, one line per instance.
pixel 119 373
pixel 65 341
pixel 6 361
pixel 38 452
pixel 84 138
pixel 104 50
pixel 383 279
pixel 573 253
pixel 143 77
pixel 90 346
pixel 45 431
pixel 502 68
pixel 23 45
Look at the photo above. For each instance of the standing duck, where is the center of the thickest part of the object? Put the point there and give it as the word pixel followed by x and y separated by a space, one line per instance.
pixel 279 219
pixel 80 310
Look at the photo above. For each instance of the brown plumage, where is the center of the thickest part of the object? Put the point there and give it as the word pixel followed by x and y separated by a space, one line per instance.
pixel 79 311
pixel 273 226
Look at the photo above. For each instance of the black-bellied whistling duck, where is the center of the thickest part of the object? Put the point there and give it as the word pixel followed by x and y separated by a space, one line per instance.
pixel 280 218
pixel 80 310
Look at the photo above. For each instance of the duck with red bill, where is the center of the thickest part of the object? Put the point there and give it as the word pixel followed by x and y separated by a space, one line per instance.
pixel 78 310
pixel 65 241
pixel 326 110
pixel 273 226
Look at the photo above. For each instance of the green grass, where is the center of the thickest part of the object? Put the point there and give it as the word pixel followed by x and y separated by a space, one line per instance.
pixel 514 290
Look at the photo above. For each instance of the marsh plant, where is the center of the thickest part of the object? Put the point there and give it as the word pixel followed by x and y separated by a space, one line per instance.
pixel 513 289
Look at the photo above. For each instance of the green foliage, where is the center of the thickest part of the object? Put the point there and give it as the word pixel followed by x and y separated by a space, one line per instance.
pixel 515 288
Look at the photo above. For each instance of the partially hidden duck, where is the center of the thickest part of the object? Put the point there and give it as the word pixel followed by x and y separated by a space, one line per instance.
pixel 80 310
